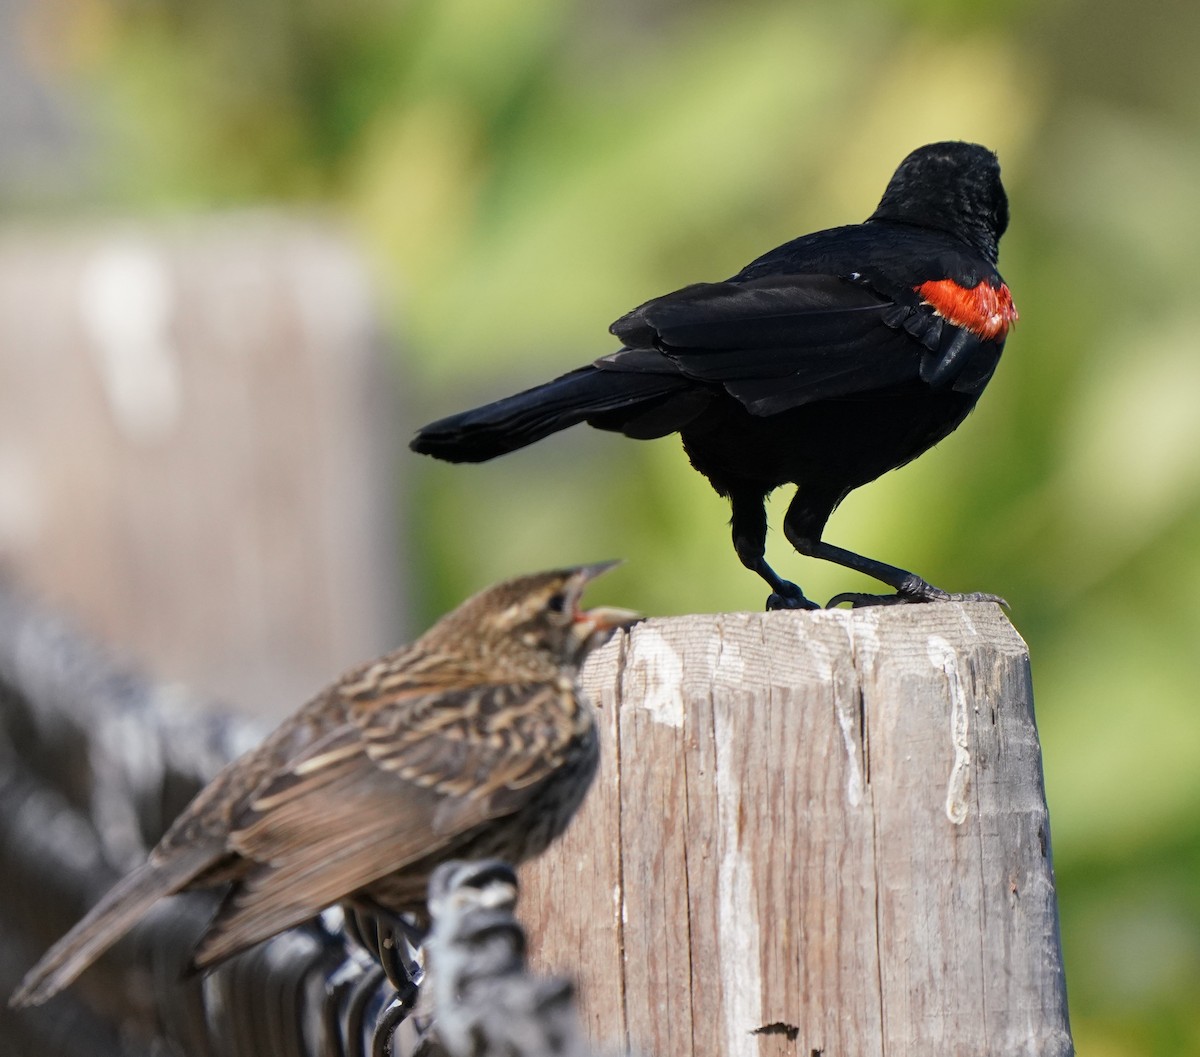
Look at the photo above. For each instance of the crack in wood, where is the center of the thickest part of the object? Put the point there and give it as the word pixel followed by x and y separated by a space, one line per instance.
pixel 624 651
pixel 777 1027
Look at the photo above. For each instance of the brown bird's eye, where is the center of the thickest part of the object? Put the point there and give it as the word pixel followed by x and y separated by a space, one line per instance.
pixel 557 604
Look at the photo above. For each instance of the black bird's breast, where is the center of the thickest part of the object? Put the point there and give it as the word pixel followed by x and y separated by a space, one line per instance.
pixel 829 447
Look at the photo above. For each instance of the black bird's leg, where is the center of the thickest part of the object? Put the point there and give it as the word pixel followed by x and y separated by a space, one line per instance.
pixel 909 587
pixel 749 523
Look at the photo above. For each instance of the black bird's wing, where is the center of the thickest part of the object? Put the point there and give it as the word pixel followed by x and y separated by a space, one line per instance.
pixel 772 342
pixel 781 341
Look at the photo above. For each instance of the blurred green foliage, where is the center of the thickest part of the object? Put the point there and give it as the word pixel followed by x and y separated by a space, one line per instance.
pixel 524 171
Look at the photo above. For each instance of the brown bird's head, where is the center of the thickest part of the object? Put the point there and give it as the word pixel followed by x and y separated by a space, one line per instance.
pixel 531 626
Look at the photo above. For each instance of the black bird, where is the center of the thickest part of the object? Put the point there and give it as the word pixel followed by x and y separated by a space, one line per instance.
pixel 474 741
pixel 825 363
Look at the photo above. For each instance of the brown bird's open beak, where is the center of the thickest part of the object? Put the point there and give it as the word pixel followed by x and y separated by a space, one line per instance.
pixel 592 627
pixel 605 618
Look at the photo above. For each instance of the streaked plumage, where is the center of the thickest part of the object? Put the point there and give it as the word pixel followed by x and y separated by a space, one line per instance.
pixel 473 741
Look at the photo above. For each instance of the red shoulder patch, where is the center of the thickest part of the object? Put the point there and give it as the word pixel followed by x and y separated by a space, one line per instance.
pixel 982 309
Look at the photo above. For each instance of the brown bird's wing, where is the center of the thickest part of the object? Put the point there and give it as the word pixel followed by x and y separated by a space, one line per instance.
pixel 402 780
pixel 480 746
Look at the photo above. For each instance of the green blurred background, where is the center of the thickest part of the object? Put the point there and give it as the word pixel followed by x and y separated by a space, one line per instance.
pixel 521 172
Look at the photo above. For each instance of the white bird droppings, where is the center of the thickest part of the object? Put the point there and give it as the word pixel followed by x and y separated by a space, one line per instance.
pixel 657 670
pixel 737 924
pixel 942 656
pixel 854 784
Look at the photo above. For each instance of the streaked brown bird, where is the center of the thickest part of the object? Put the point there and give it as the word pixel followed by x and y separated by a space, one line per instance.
pixel 472 742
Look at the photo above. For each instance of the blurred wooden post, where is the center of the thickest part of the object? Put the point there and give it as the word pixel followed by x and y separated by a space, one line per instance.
pixel 821 834
pixel 197 424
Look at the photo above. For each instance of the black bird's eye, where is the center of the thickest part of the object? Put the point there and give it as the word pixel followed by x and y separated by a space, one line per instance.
pixel 557 604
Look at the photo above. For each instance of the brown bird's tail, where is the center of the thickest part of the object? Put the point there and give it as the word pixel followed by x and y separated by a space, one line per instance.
pixel 108 921
pixel 639 404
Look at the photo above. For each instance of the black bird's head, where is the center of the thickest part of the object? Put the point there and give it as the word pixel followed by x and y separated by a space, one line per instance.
pixel 532 625
pixel 952 187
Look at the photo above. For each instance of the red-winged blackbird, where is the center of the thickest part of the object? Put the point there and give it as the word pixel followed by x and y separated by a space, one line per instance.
pixel 825 363
pixel 472 742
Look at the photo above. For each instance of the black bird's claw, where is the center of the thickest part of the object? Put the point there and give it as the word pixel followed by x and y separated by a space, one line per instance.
pixel 929 593
pixel 978 596
pixel 790 597
pixel 859 599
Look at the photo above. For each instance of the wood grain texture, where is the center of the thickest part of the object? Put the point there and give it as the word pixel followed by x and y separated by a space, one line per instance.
pixel 813 833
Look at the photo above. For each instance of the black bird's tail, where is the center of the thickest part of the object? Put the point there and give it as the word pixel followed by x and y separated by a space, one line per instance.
pixel 638 404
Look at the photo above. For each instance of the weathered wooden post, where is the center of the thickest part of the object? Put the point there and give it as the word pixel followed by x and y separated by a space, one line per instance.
pixel 822 834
